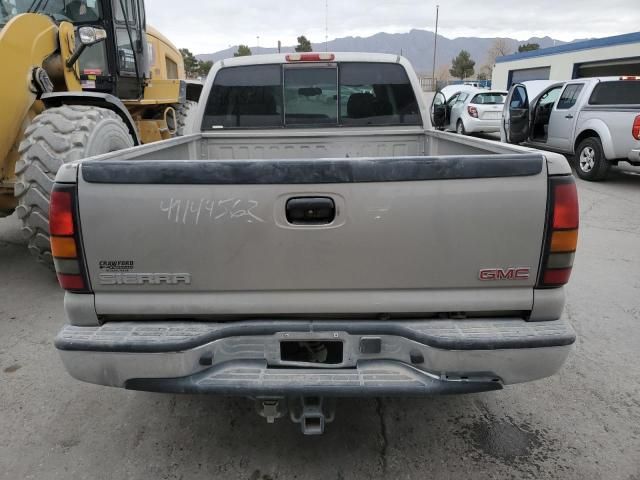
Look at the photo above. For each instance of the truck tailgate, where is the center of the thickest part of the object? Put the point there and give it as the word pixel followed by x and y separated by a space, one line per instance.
pixel 419 235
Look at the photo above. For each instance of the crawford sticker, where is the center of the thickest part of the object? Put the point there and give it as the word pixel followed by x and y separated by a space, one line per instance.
pixel 116 265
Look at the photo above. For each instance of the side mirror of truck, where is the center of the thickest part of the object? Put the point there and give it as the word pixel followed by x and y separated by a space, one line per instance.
pixel 439 111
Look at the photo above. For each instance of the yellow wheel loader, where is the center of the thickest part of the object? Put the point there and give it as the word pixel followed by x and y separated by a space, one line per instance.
pixel 79 78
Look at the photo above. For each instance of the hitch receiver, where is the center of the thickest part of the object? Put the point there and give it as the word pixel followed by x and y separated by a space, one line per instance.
pixel 312 413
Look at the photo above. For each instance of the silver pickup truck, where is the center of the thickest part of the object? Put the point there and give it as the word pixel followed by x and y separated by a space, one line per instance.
pixel 315 239
pixel 595 119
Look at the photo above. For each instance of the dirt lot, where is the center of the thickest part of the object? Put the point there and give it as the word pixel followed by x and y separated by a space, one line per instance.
pixel 583 423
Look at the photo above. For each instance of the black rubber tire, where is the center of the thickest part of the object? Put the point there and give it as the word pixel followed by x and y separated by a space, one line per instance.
pixel 601 165
pixel 185 115
pixel 460 128
pixel 55 137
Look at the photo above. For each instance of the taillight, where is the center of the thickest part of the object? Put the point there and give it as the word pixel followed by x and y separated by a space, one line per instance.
pixel 635 130
pixel 562 232
pixel 473 111
pixel 310 57
pixel 65 239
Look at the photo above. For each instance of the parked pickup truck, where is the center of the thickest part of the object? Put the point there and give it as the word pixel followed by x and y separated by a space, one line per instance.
pixel 595 119
pixel 316 238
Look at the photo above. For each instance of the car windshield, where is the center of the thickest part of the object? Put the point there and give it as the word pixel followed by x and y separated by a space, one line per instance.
pixel 490 98
pixel 77 11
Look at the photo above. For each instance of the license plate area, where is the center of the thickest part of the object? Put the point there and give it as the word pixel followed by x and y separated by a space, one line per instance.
pixel 315 352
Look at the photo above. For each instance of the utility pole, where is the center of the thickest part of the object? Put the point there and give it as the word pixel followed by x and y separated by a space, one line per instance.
pixel 326 25
pixel 435 49
pixel 258 40
pixel 279 46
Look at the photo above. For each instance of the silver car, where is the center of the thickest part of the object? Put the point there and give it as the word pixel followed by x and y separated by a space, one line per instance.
pixel 475 111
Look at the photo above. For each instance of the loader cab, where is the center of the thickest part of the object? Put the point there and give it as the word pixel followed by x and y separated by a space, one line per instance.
pixel 120 64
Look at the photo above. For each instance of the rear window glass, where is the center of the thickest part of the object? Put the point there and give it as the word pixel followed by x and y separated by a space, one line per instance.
pixel 376 94
pixel 489 99
pixel 245 97
pixel 310 96
pixel 346 94
pixel 623 92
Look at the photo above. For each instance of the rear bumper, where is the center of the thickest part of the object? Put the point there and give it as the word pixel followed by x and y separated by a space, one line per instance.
pixel 243 358
pixel 480 125
pixel 634 156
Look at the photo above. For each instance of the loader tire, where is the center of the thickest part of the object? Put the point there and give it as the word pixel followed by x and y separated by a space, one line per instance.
pixel 185 116
pixel 55 137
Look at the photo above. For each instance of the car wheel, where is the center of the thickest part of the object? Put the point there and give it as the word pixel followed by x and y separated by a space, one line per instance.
pixel 590 162
pixel 460 130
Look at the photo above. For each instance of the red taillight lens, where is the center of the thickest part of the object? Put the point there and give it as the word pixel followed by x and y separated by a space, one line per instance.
pixel 71 282
pixel 67 257
pixel 562 232
pixel 310 57
pixel 60 213
pixel 473 111
pixel 565 207
pixel 557 277
pixel 635 130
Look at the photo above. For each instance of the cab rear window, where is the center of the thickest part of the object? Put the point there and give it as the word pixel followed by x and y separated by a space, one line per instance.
pixel 296 95
pixel 622 92
pixel 245 97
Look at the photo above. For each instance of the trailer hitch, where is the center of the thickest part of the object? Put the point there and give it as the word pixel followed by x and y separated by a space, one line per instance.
pixel 312 413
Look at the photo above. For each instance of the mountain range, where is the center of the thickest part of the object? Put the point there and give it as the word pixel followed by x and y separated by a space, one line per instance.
pixel 416 45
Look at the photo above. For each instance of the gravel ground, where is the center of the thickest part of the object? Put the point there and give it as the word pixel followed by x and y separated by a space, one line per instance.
pixel 583 423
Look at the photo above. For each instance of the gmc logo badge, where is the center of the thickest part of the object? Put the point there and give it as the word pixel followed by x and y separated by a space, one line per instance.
pixel 515 273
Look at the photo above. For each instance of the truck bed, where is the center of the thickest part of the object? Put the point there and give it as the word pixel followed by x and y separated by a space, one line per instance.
pixel 412 245
pixel 325 143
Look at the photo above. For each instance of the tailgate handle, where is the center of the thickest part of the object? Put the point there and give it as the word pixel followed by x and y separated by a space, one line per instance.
pixel 310 210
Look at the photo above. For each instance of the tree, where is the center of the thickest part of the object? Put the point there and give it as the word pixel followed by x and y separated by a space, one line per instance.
pixel 204 67
pixel 528 47
pixel 462 66
pixel 442 74
pixel 304 45
pixel 499 48
pixel 485 72
pixel 243 51
pixel 191 63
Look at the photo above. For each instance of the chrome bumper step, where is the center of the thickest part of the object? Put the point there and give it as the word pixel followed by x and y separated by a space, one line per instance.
pixel 370 378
